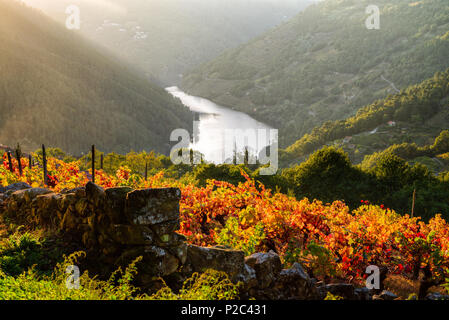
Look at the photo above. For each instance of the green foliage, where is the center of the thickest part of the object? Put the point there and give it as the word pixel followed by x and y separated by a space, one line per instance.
pixel 30 285
pixel 325 65
pixel 331 296
pixel 441 144
pixel 225 172
pixel 412 296
pixel 245 239
pixel 444 177
pixel 411 151
pixel 315 258
pixel 425 99
pixel 20 252
pixel 445 285
pixel 328 175
pixel 54 153
pixel 211 285
pixel 57 89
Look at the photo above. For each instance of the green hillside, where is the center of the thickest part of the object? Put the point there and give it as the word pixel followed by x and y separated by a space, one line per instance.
pixel 57 89
pixel 434 156
pixel 167 38
pixel 394 137
pixel 324 64
pixel 423 107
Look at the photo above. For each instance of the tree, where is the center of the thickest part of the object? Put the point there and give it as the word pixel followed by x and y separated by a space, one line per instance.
pixel 321 175
pixel 441 144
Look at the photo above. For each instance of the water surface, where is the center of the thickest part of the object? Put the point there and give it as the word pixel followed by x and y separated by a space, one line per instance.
pixel 214 125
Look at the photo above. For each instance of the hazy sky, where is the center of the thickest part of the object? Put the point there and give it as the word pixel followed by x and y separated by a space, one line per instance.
pixel 56 4
pixel 119 6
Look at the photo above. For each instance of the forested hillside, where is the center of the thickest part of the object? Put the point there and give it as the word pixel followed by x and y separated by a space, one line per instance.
pixel 57 89
pixel 324 64
pixel 167 38
pixel 435 156
pixel 421 106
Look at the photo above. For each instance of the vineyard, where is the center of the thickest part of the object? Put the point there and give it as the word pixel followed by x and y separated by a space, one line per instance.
pixel 329 240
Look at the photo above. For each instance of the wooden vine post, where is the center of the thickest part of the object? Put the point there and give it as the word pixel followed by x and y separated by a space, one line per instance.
pixel 93 163
pixel 101 161
pixel 44 165
pixel 146 171
pixel 30 162
pixel 10 161
pixel 19 160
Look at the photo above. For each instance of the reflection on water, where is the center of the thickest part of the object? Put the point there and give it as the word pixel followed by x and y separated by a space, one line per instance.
pixel 216 128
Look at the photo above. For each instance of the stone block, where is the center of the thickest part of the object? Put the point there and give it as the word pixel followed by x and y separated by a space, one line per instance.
pixel 15 187
pixel 115 204
pixel 131 234
pixel 29 194
pixel 153 206
pixel 95 194
pixel 229 261
pixel 267 266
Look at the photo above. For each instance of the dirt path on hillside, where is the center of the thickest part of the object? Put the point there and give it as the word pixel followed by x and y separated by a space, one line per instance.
pixel 391 84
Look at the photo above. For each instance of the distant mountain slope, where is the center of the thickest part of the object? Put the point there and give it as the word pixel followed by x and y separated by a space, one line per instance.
pixel 166 38
pixel 434 155
pixel 424 106
pixel 388 136
pixel 57 89
pixel 324 64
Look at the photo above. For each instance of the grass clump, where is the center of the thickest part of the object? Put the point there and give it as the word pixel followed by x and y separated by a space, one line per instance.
pixel 210 285
pixel 20 252
pixel 32 285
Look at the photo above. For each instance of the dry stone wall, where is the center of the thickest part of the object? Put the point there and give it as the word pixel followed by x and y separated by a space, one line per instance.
pixel 118 225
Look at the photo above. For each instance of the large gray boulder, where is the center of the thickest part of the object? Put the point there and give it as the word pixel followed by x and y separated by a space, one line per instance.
pixel 344 290
pixel 265 279
pixel 131 235
pixel 28 194
pixel 200 259
pixel 436 296
pixel 95 194
pixel 14 187
pixel 45 208
pixel 156 262
pixel 153 206
pixel 385 295
pixel 363 294
pixel 267 266
pixel 295 283
pixel 115 204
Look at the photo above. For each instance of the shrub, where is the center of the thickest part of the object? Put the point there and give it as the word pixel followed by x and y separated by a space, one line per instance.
pixel 242 233
pixel 211 285
pixel 20 252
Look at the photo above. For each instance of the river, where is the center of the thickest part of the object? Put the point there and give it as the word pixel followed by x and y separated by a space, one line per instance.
pixel 215 123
